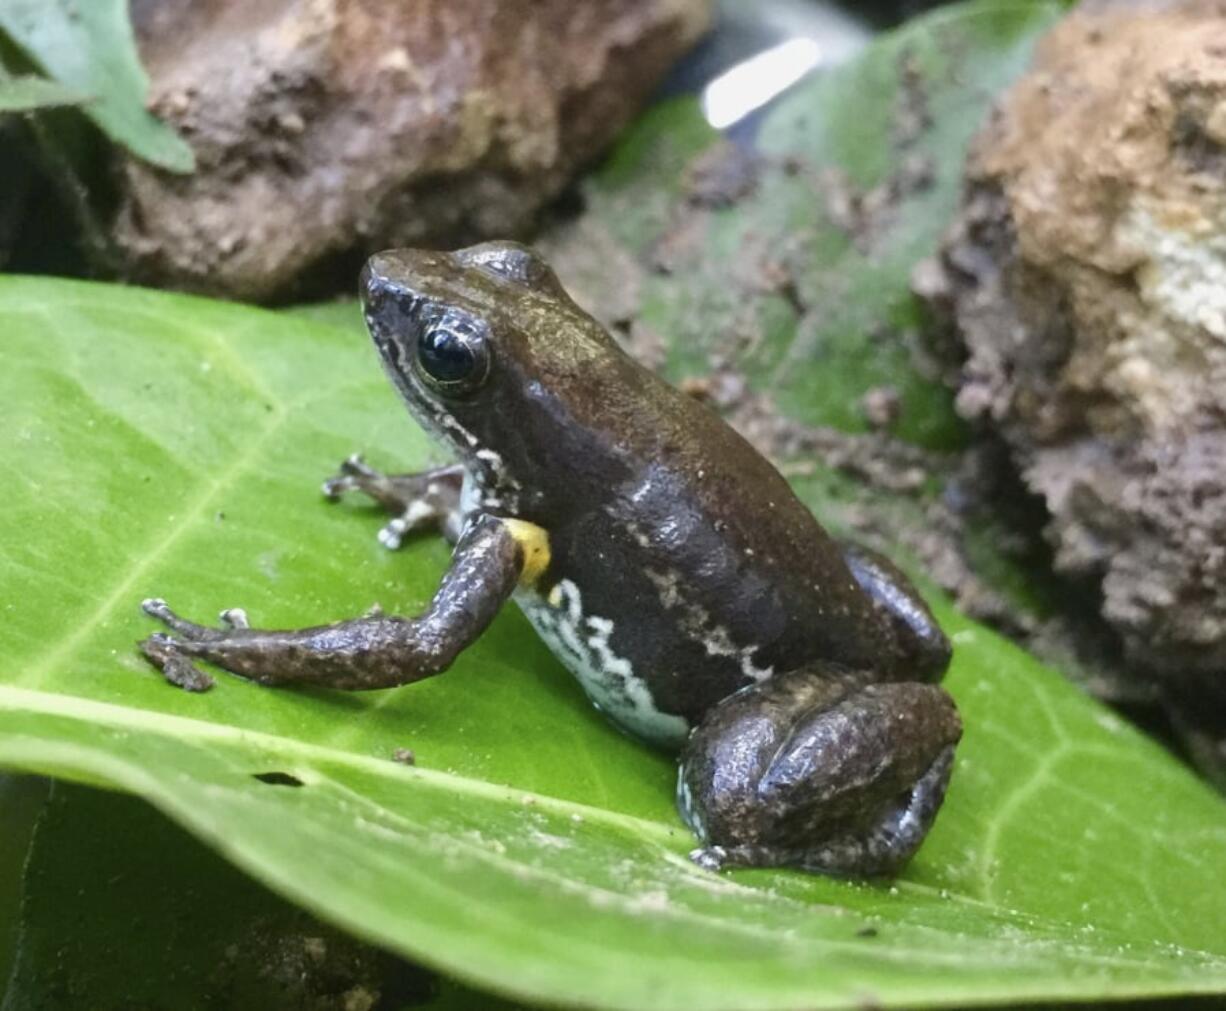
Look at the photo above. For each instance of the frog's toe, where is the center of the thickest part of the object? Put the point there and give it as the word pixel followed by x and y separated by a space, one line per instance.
pixel 163 652
pixel 156 607
pixel 234 617
pixel 352 475
pixel 391 534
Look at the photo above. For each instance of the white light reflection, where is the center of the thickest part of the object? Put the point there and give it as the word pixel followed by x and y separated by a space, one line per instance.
pixel 752 83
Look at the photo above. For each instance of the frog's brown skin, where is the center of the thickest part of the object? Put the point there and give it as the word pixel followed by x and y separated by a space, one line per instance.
pixel 664 560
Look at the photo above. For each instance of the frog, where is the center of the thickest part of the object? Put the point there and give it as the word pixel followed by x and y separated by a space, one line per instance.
pixel 663 559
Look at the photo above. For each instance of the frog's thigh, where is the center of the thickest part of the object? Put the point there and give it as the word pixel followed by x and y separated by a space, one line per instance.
pixel 819 770
pixel 925 648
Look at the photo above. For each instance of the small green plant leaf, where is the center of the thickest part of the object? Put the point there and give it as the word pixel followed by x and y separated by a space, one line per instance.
pixel 166 445
pixel 28 92
pixel 88 47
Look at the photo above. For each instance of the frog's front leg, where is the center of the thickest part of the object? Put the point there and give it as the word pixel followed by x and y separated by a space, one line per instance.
pixel 819 769
pixel 430 498
pixel 376 650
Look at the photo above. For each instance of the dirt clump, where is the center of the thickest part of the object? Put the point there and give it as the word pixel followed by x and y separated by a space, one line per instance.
pixel 324 129
pixel 1085 278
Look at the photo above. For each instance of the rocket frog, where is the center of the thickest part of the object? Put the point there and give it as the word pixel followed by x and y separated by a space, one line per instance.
pixel 665 562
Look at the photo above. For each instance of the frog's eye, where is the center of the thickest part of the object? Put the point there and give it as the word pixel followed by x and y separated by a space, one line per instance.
pixel 453 356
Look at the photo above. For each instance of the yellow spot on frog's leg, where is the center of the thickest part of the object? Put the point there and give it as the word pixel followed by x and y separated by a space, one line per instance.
pixel 533 541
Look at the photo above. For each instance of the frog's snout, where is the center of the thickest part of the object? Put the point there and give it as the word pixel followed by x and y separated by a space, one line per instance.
pixel 376 283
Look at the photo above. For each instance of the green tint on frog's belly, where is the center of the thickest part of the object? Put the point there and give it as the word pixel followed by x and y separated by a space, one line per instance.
pixel 581 641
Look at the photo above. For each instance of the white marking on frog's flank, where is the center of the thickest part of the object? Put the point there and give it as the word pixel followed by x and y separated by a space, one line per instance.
pixel 697 624
pixel 602 628
pixel 581 642
pixel 494 460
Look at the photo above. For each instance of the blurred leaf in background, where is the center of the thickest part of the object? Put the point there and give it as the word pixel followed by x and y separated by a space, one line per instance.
pixel 88 47
pixel 27 93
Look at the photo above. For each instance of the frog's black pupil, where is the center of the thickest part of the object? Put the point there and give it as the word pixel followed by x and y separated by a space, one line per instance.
pixel 445 356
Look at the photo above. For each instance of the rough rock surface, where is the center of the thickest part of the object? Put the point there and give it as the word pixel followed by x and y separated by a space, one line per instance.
pixel 326 128
pixel 1086 276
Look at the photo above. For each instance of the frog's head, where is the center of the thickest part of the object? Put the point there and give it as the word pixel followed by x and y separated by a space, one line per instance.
pixel 495 360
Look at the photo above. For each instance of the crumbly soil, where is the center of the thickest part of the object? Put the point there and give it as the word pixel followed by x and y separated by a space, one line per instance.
pixel 327 129
pixel 1085 281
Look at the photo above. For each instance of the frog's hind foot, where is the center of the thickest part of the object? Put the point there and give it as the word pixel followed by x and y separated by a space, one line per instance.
pixel 415 501
pixel 819 769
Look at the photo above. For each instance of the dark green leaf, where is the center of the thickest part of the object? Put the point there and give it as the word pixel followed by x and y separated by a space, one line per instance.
pixel 124 910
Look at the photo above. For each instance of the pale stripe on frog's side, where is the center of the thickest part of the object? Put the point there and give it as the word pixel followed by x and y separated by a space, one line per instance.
pixel 581 642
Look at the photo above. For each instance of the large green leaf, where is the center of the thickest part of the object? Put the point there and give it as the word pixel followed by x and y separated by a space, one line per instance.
pixel 88 47
pixel 160 444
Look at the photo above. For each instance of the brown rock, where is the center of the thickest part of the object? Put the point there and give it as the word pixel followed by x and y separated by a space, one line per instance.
pixel 331 127
pixel 1087 278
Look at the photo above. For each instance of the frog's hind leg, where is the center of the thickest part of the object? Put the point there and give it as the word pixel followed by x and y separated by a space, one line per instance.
pixel 429 499
pixel 819 769
pixel 923 648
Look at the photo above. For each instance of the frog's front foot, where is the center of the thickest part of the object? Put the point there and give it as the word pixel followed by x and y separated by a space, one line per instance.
pixel 819 769
pixel 415 501
pixel 376 650
pixel 352 475
pixel 166 652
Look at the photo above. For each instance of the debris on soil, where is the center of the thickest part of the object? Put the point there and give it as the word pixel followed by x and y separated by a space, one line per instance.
pixel 881 406
pixel 875 459
pixel 323 131
pixel 1086 280
pixel 722 175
